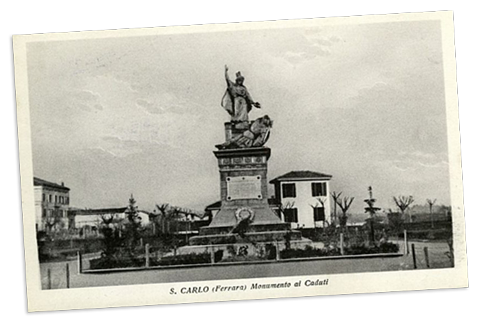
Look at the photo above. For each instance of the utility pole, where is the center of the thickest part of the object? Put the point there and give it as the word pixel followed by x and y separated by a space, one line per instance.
pixel 430 204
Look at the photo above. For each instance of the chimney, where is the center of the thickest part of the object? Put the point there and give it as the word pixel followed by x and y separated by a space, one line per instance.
pixel 63 184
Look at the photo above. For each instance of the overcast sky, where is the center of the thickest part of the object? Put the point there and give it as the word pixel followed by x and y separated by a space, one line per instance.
pixel 364 103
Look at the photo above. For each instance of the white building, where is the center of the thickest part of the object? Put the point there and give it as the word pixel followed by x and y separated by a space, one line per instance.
pixel 51 205
pixel 91 219
pixel 301 194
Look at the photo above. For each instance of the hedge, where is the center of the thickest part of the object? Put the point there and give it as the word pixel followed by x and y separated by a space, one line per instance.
pixel 309 251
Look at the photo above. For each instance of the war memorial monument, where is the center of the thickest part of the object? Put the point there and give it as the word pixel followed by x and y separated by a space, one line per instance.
pixel 245 216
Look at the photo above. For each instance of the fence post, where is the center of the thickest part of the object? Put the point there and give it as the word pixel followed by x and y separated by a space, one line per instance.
pixel 147 255
pixel 49 279
pixel 212 255
pixel 277 252
pixel 413 256
pixel 405 243
pixel 341 244
pixel 425 250
pixel 67 267
pixel 79 259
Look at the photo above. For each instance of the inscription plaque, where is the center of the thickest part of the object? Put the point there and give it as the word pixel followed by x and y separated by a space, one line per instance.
pixel 244 187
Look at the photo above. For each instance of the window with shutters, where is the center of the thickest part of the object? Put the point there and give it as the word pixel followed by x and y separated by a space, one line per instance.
pixel 319 189
pixel 291 215
pixel 288 190
pixel 319 214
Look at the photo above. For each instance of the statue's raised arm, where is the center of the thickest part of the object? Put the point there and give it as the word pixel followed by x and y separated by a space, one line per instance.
pixel 227 78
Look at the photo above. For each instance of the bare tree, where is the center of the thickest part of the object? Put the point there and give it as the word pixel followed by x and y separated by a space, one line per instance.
pixel 430 205
pixel 169 222
pixel 403 202
pixel 288 235
pixel 287 206
pixel 322 200
pixel 335 197
pixel 320 204
pixel 344 205
pixel 54 221
pixel 163 217
pixel 51 222
pixel 111 239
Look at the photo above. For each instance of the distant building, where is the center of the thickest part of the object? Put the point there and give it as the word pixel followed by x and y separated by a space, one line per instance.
pixel 300 193
pixel 181 220
pixel 89 220
pixel 51 205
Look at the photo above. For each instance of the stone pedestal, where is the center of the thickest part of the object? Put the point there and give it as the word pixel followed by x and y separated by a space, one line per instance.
pixel 244 193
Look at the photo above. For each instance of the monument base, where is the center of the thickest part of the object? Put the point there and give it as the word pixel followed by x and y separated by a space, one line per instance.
pixel 257 233
pixel 245 215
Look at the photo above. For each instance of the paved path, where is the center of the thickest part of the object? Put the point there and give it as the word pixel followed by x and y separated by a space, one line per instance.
pixel 436 251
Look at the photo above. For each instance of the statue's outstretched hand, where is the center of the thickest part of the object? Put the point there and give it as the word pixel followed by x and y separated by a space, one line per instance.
pixel 257 104
pixel 226 68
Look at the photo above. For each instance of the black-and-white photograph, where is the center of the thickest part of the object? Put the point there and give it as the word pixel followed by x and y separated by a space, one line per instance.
pixel 265 151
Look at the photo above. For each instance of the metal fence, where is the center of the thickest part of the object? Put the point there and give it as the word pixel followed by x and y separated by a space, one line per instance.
pixel 56 275
pixel 145 256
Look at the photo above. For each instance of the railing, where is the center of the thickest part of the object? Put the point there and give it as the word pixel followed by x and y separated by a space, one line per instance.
pixel 147 256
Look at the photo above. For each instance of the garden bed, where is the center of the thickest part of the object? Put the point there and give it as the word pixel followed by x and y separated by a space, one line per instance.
pixel 105 264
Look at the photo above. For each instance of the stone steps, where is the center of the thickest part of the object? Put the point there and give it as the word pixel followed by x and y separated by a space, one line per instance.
pixel 249 237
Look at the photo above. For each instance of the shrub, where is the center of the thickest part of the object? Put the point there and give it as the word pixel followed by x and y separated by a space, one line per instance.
pixel 308 251
pixel 388 248
pixel 359 249
pixel 191 258
pixel 111 262
pixel 218 256
pixel 231 250
pixel 247 258
pixel 226 239
pixel 364 249
pixel 270 251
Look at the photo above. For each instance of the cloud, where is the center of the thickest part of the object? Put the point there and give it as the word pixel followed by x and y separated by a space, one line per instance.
pixel 149 106
pixel 85 100
pixel 320 40
pixel 85 95
pixel 312 43
pixel 415 166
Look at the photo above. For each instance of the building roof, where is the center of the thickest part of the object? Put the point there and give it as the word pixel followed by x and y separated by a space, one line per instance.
pixel 300 176
pixel 99 211
pixel 272 202
pixel 41 182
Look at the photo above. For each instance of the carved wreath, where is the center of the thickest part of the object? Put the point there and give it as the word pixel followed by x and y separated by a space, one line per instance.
pixel 244 213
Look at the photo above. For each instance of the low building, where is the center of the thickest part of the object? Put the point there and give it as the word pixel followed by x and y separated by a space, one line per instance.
pixel 180 220
pixel 52 203
pixel 89 220
pixel 304 198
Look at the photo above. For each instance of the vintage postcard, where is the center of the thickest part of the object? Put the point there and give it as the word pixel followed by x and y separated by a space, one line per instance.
pixel 240 161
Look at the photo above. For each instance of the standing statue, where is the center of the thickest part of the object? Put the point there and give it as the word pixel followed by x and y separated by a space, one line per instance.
pixel 237 101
